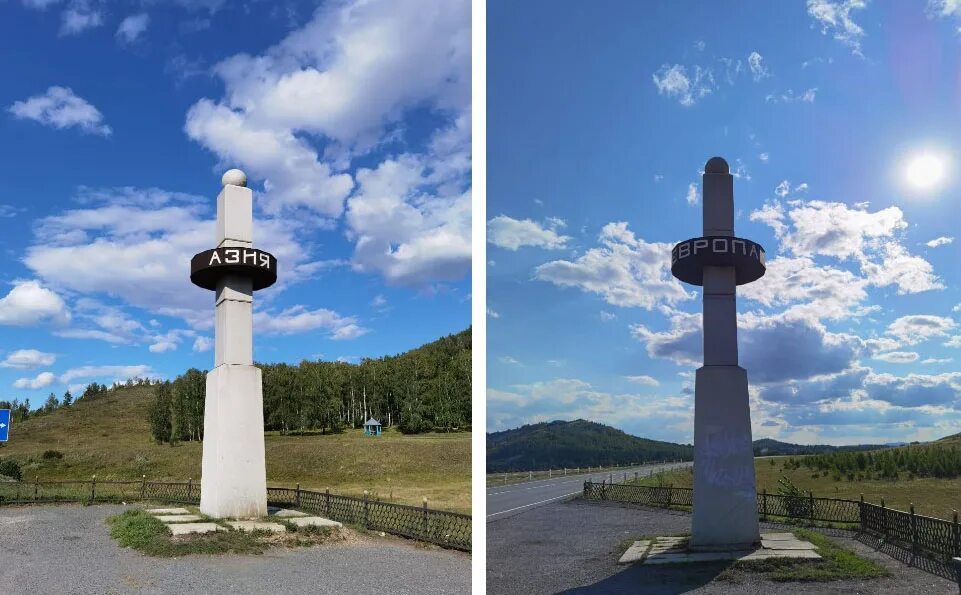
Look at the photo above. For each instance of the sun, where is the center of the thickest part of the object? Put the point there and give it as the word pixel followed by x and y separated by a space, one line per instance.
pixel 925 171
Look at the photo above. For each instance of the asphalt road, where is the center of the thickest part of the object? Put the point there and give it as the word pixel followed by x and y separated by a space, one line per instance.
pixel 506 501
pixel 68 550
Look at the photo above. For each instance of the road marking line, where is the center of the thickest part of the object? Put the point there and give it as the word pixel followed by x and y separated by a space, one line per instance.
pixel 534 504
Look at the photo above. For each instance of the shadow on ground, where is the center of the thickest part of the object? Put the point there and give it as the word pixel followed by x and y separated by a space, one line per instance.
pixel 656 580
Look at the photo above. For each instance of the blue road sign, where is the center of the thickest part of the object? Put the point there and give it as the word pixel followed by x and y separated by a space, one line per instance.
pixel 4 424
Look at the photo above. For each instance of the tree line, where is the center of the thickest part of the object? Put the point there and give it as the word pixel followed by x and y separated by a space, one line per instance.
pixel 426 389
pixel 930 460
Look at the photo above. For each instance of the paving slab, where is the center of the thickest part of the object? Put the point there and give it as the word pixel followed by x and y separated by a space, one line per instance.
pixel 167 511
pixel 787 545
pixel 314 521
pixel 766 554
pixel 187 528
pixel 257 526
pixel 778 536
pixel 284 513
pixel 180 518
pixel 634 553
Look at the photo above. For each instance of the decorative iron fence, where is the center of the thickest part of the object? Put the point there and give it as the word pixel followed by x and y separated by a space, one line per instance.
pixel 448 529
pixel 929 537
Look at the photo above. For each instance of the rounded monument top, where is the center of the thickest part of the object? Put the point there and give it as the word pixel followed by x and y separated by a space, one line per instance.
pixel 234 177
pixel 716 165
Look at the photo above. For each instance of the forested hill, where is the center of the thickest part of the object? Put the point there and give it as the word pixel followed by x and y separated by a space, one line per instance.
pixel 771 447
pixel 425 389
pixel 577 443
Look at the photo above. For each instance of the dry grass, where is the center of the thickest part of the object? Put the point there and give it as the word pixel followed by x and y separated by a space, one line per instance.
pixel 930 496
pixel 109 436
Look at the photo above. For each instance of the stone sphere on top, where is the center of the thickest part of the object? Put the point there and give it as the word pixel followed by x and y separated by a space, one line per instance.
pixel 234 177
pixel 716 165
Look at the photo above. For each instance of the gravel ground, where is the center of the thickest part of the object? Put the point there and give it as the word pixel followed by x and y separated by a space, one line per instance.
pixel 574 546
pixel 67 549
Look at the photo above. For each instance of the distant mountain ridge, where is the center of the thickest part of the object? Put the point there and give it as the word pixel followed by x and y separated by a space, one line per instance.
pixel 578 443
pixel 771 447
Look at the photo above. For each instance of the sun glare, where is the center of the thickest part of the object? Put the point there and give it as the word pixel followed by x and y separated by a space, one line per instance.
pixel 925 171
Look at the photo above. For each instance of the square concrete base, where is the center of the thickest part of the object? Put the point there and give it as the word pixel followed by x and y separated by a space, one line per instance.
pixel 188 528
pixel 676 550
pixel 257 526
pixel 156 511
pixel 179 518
pixel 314 521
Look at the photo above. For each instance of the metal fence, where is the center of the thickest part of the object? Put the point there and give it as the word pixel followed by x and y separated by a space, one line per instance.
pixel 449 529
pixel 928 537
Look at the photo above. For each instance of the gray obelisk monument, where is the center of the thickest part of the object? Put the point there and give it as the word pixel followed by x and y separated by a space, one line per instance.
pixel 233 483
pixel 725 493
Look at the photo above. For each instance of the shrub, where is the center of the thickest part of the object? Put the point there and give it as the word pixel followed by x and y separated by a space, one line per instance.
pixel 11 468
pixel 52 454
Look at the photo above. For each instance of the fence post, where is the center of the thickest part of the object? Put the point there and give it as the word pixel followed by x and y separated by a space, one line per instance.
pixel 764 503
pixel 190 487
pixel 298 495
pixel 327 502
pixel 143 486
pixel 625 478
pixel 861 513
pixel 505 479
pixel 956 535
pixel 565 471
pixel 884 520
pixel 36 487
pixel 811 499
pixel 670 495
pixel 914 537
pixel 530 475
pixel 93 488
pixel 366 512
pixel 426 524
pixel 585 490
pixel 549 473
pixel 635 477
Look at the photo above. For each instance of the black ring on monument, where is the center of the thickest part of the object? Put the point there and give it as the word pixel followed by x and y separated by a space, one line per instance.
pixel 209 266
pixel 689 258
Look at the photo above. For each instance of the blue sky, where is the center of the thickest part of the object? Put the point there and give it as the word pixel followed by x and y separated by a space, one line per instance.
pixel 836 118
pixel 117 119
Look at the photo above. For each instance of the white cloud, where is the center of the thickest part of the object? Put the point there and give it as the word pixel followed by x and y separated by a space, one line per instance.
pixel 29 303
pixel 79 17
pixel 117 372
pixel 917 328
pixel 758 70
pixel 783 189
pixel 42 379
pixel 25 359
pixel 788 96
pixel 625 270
pixel 939 241
pixel 691 196
pixel 492 313
pixel 506 359
pixel 898 357
pixel 298 319
pixel 673 81
pixel 936 360
pixel 132 27
pixel 202 344
pixel 764 157
pixel 350 72
pixel 60 108
pixel 605 315
pixel 644 380
pixel 834 17
pixel 837 230
pixel 403 231
pixel 505 232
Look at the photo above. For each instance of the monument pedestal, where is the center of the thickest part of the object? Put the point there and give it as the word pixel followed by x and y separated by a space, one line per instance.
pixel 233 483
pixel 725 493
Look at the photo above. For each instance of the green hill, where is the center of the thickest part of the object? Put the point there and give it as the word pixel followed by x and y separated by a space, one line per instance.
pixel 771 447
pixel 578 443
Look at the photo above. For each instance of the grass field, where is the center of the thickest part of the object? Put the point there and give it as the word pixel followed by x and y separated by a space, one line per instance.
pixel 109 436
pixel 930 496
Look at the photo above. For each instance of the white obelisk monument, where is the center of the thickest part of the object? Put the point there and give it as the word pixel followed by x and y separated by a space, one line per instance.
pixel 234 481
pixel 725 493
